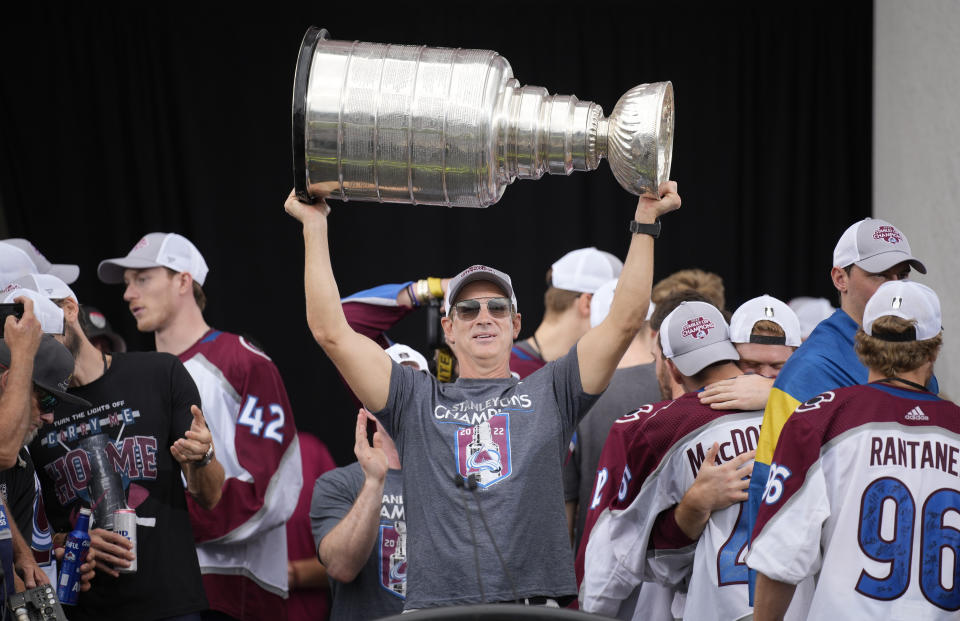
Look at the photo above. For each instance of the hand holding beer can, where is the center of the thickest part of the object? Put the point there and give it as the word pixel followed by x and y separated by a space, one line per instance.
pixel 125 524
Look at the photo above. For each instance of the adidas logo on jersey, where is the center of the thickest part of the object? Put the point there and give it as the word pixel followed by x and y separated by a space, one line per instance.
pixel 916 414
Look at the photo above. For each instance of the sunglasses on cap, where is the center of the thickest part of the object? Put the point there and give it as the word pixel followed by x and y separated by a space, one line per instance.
pixel 46 400
pixel 468 310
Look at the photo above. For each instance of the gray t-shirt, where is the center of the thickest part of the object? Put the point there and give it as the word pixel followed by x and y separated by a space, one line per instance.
pixel 511 437
pixel 380 587
pixel 629 388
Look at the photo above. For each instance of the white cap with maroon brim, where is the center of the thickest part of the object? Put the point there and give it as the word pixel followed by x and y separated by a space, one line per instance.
pixel 157 250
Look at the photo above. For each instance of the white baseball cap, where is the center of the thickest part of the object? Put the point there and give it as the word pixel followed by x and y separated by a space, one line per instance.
pixel 694 336
pixel 874 245
pixel 157 250
pixel 46 285
pixel 769 308
pixel 404 353
pixel 49 314
pixel 18 257
pixel 908 300
pixel 810 312
pixel 584 270
pixel 473 274
pixel 603 298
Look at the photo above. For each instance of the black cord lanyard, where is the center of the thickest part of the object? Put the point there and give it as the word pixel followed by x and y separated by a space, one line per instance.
pixel 902 381
pixel 539 349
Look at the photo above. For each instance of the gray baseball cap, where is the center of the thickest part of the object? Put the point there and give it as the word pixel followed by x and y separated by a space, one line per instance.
pixel 20 253
pixel 874 245
pixel 157 250
pixel 694 335
pixel 475 273
pixel 52 369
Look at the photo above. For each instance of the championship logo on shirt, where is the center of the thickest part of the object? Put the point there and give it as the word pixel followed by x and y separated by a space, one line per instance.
pixel 393 558
pixel 888 234
pixel 483 451
pixel 698 328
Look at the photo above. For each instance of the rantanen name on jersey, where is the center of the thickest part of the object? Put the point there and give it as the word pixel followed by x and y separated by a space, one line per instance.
pixel 892 451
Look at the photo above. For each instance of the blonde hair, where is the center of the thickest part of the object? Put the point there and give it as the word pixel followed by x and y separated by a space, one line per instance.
pixel 893 357
pixel 707 284
pixel 765 327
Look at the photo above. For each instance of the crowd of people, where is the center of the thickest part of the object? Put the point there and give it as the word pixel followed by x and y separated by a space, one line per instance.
pixel 643 453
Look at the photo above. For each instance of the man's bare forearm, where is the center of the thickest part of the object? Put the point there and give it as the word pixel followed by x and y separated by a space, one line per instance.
pixel 772 599
pixel 205 483
pixel 346 548
pixel 15 407
pixel 601 349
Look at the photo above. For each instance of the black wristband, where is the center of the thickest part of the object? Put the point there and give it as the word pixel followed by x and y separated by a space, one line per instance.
pixel 653 230
pixel 206 459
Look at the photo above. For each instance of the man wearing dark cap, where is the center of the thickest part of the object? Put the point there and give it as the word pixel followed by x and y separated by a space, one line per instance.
pixel 481 456
pixel 99 331
pixel 656 538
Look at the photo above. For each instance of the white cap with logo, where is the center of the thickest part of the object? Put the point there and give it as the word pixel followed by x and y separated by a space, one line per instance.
pixel 157 250
pixel 694 336
pixel 49 314
pixel 19 257
pixel 404 354
pixel 584 270
pixel 908 300
pixel 875 246
pixel 769 308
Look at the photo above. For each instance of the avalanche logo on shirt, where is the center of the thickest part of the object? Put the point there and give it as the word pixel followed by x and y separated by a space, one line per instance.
pixel 483 451
pixel 393 558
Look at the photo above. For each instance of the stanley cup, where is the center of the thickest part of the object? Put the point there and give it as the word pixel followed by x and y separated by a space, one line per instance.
pixel 453 127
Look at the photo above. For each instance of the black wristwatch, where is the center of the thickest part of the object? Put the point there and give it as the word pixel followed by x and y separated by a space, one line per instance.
pixel 653 230
pixel 206 459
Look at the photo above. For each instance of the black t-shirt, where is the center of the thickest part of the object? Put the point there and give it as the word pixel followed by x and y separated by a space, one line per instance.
pixel 17 489
pixel 140 406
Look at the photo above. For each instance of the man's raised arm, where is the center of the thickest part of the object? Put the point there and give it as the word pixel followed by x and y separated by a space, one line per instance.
pixel 601 348
pixel 362 363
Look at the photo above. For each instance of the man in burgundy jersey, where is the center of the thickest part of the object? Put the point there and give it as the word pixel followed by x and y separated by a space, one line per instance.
pixel 241 543
pixel 865 495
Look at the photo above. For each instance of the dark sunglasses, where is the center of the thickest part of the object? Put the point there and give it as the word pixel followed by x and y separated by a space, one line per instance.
pixel 468 310
pixel 46 401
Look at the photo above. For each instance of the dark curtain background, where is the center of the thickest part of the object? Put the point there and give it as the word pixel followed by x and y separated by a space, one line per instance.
pixel 114 124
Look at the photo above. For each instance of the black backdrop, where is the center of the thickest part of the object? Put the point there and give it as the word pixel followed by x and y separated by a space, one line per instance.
pixel 113 124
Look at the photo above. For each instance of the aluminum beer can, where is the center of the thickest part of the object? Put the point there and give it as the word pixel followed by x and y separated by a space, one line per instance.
pixel 75 553
pixel 125 523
